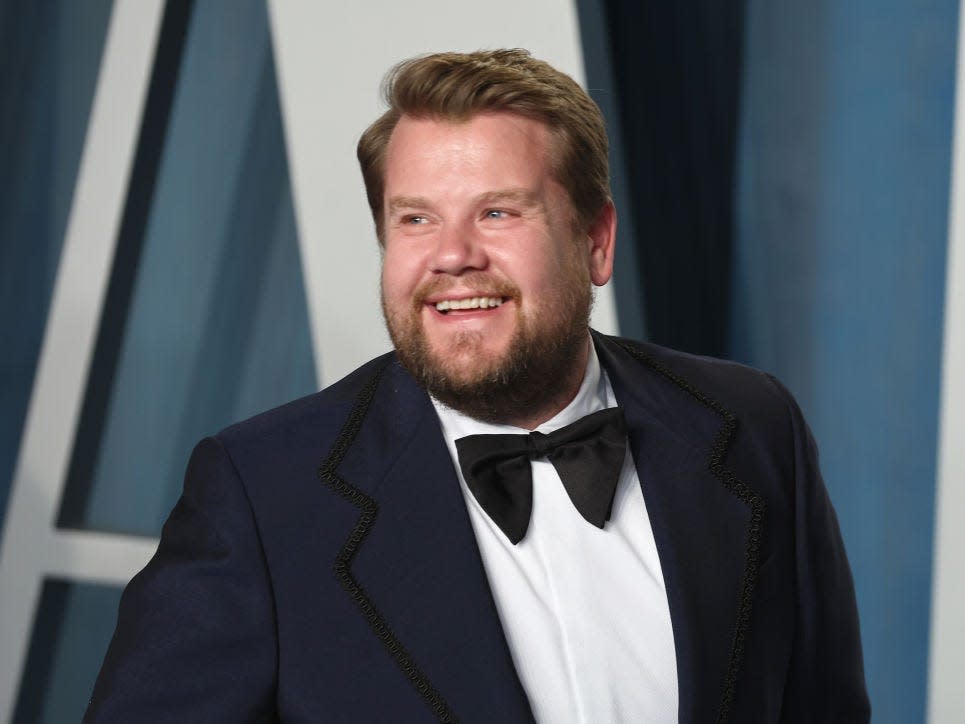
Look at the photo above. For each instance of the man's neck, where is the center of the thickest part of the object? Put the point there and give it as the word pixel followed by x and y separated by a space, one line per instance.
pixel 570 381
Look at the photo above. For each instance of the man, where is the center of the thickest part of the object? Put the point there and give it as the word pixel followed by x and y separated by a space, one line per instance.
pixel 661 547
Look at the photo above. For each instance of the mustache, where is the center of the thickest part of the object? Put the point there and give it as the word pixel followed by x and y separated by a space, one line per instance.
pixel 483 282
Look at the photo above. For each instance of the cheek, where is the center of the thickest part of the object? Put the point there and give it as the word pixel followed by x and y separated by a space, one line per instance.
pixel 398 276
pixel 549 273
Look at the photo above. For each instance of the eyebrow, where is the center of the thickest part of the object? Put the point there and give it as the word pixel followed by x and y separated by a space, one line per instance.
pixel 408 202
pixel 516 195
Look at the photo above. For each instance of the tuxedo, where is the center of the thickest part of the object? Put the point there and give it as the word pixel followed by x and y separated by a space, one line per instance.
pixel 320 564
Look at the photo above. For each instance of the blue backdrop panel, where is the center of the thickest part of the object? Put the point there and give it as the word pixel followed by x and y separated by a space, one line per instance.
pixel 217 327
pixel 839 274
pixel 49 58
pixel 71 631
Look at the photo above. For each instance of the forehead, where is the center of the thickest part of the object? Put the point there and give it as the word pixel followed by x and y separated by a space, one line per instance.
pixel 488 148
pixel 498 130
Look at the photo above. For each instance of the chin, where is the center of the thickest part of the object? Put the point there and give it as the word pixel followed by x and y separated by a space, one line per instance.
pixel 465 351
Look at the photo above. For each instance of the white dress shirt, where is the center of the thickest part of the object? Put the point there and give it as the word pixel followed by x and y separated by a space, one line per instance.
pixel 584 610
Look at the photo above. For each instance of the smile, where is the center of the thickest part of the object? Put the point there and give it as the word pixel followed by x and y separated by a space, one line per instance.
pixel 447 305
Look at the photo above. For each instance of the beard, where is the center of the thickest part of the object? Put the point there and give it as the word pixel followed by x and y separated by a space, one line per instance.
pixel 530 374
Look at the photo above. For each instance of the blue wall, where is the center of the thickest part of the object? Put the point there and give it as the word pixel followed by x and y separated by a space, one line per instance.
pixel 845 154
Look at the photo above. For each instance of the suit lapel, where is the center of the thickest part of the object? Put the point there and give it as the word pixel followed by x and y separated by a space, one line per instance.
pixel 412 563
pixel 706 524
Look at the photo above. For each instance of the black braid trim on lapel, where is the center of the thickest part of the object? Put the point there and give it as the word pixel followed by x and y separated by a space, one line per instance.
pixel 343 561
pixel 755 528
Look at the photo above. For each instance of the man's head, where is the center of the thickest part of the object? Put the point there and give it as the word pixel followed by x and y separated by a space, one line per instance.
pixel 488 261
pixel 457 86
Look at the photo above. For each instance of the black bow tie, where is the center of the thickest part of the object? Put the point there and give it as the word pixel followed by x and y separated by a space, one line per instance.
pixel 588 455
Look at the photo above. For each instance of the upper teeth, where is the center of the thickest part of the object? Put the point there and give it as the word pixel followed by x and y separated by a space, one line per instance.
pixel 474 303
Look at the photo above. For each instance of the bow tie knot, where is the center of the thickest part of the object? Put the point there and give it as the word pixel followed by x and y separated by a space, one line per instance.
pixel 540 444
pixel 587 454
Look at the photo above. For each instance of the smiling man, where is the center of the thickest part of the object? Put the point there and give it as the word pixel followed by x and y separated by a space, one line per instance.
pixel 510 517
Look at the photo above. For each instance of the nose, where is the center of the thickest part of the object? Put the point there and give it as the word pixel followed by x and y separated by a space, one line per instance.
pixel 458 249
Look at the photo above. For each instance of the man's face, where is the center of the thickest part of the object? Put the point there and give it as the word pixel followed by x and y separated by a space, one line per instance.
pixel 485 289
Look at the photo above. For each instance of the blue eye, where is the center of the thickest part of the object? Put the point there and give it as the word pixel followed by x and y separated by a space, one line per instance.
pixel 415 219
pixel 495 214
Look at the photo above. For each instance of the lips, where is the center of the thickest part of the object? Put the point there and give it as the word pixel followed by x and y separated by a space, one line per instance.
pixel 471 293
pixel 447 305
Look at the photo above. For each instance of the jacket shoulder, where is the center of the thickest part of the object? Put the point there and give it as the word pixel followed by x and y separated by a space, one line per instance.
pixel 309 420
pixel 723 385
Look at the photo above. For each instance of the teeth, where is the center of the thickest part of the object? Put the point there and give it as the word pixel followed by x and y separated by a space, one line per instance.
pixel 472 303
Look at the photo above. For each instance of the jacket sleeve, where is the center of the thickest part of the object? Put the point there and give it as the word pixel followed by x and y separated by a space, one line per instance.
pixel 825 681
pixel 195 637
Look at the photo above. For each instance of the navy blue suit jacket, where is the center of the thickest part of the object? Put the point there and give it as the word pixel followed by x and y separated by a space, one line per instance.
pixel 320 564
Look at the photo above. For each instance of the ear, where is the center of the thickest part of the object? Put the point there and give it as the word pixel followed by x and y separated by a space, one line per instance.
pixel 602 241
